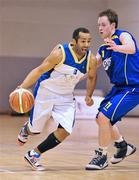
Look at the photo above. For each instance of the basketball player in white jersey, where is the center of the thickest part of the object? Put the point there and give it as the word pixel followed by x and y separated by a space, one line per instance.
pixel 56 79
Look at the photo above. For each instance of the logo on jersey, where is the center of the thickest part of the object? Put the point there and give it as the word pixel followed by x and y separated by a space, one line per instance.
pixel 107 63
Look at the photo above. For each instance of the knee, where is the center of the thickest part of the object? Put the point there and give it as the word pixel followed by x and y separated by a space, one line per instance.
pixel 102 120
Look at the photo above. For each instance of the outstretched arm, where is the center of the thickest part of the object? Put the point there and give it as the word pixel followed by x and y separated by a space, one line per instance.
pixel 127 47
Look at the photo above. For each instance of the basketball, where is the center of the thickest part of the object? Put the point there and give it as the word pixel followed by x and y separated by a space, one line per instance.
pixel 21 100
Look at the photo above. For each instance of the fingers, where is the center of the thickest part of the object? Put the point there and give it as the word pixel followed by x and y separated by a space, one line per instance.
pixel 89 101
pixel 111 44
pixel 108 40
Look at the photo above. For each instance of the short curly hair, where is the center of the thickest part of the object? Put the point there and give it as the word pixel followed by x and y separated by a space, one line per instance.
pixel 76 32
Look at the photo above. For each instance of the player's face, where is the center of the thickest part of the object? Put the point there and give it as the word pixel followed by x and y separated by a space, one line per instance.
pixel 83 43
pixel 106 29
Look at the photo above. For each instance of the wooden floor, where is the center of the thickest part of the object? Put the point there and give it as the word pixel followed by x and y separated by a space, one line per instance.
pixel 68 160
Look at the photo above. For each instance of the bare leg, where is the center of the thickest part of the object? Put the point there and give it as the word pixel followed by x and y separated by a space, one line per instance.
pixel 115 134
pixel 61 134
pixel 55 138
pixel 100 159
pixel 107 132
pixel 104 130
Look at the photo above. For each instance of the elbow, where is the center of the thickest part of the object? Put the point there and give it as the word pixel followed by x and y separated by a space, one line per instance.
pixel 40 70
pixel 132 50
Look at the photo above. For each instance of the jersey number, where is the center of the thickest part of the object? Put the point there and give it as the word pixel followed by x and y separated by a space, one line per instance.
pixel 103 54
pixel 107 106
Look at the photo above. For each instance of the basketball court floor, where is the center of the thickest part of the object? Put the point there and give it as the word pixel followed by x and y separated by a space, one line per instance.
pixel 68 160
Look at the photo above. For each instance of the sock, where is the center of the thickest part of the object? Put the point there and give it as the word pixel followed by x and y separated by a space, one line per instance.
pixel 103 150
pixel 33 153
pixel 50 142
pixel 120 139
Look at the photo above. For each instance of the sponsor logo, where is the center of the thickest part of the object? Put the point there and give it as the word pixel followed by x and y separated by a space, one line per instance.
pixel 107 63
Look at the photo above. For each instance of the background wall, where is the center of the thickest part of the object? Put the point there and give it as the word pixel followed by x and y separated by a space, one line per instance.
pixel 29 29
pixel 33 27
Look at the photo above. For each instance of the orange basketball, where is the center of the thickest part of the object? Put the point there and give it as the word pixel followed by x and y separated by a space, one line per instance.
pixel 21 100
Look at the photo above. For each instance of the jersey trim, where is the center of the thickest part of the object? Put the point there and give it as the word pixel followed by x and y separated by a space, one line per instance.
pixel 75 57
pixel 125 70
pixel 119 104
pixel 64 56
pixel 114 37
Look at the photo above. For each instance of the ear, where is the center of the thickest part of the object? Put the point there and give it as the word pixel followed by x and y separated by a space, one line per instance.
pixel 73 42
pixel 114 25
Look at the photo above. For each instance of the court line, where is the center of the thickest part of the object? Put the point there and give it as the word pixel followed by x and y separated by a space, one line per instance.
pixel 5 170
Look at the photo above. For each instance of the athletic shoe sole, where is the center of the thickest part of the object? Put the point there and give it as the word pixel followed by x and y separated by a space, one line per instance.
pixel 93 167
pixel 34 168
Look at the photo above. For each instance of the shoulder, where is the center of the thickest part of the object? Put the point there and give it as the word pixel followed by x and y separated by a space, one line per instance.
pixel 93 60
pixel 55 56
pixel 123 33
pixel 56 53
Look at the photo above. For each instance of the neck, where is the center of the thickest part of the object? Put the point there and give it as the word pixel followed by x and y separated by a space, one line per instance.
pixel 113 31
pixel 77 53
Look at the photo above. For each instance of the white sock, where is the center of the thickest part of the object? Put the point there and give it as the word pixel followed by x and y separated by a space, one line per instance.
pixel 34 153
pixel 119 140
pixel 103 150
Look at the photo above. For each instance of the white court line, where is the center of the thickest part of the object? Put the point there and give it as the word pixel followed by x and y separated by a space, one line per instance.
pixel 5 171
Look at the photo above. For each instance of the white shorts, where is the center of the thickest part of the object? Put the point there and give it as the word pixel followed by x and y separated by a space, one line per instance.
pixel 48 104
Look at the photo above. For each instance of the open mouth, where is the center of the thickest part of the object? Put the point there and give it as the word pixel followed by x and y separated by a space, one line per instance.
pixel 84 49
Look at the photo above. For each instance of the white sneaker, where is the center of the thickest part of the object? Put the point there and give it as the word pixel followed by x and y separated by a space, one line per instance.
pixel 23 135
pixel 130 149
pixel 32 159
pixel 122 152
pixel 99 162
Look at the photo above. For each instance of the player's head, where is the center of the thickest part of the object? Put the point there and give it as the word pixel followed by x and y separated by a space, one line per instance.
pixel 107 22
pixel 81 40
pixel 76 33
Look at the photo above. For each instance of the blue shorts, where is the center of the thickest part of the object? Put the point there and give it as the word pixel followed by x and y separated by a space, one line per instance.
pixel 119 102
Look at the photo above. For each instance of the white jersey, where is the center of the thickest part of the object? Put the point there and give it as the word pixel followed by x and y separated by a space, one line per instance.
pixel 64 77
pixel 54 92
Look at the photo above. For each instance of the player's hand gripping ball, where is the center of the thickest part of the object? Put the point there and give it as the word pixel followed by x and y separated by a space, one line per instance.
pixel 21 100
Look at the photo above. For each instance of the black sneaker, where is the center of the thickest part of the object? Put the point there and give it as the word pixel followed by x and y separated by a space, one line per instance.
pixel 123 150
pixel 98 162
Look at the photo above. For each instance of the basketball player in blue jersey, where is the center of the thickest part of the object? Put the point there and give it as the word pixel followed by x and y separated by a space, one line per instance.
pixel 56 79
pixel 120 57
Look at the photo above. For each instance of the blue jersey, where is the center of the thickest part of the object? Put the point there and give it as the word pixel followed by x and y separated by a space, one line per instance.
pixel 122 69
pixel 63 78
